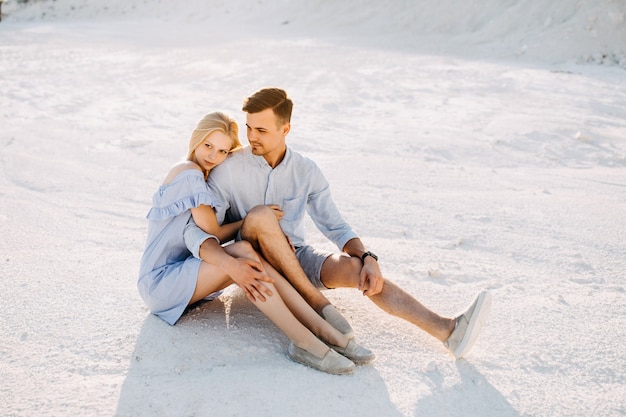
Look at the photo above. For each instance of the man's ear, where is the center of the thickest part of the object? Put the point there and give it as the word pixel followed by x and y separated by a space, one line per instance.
pixel 286 128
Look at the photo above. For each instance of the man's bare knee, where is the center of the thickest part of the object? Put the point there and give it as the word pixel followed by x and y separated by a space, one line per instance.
pixel 256 221
pixel 260 211
pixel 341 271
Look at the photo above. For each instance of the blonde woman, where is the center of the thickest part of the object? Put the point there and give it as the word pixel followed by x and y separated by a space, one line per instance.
pixel 171 278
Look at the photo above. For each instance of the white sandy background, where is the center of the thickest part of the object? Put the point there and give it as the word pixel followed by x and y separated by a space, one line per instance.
pixel 472 144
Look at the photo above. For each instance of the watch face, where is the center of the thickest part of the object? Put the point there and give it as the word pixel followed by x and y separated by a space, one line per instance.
pixel 368 253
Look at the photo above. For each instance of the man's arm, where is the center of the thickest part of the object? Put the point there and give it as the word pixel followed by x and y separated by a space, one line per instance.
pixel 371 280
pixel 325 213
pixel 329 221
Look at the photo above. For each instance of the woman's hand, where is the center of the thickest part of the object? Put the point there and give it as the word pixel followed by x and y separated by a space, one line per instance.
pixel 239 262
pixel 249 275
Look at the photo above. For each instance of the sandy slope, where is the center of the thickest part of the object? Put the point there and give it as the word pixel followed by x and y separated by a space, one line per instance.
pixel 541 30
pixel 461 172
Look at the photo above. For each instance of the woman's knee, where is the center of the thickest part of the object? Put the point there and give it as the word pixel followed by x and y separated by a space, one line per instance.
pixel 242 249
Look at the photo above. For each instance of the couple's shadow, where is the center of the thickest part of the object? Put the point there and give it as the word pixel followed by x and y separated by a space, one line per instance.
pixel 224 357
pixel 473 396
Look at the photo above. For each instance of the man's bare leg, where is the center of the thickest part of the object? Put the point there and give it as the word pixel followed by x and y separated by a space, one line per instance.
pixel 341 270
pixel 394 300
pixel 263 231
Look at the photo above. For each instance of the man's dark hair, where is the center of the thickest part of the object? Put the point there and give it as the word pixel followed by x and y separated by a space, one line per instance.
pixel 270 98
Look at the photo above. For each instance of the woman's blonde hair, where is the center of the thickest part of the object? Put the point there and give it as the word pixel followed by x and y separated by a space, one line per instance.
pixel 216 121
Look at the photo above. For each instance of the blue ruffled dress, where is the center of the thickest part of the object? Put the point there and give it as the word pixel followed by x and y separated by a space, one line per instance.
pixel 168 271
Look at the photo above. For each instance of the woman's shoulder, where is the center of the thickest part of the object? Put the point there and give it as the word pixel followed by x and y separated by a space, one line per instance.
pixel 184 188
pixel 179 168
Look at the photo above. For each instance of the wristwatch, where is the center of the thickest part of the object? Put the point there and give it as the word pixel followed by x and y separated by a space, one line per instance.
pixel 368 253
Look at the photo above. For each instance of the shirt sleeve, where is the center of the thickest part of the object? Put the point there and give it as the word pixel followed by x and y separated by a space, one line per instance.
pixel 325 214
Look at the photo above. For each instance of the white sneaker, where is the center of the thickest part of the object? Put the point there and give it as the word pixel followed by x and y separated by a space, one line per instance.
pixel 335 319
pixel 332 362
pixel 468 325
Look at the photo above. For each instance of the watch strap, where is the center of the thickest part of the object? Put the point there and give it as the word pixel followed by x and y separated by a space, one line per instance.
pixel 366 254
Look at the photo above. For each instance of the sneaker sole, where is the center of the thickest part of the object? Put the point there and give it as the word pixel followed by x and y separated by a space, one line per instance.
pixel 346 371
pixel 481 312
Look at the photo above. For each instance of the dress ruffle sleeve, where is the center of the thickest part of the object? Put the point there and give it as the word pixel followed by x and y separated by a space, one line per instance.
pixel 188 190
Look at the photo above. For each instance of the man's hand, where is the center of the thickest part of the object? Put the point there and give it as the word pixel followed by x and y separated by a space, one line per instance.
pixel 250 275
pixel 371 280
pixel 277 211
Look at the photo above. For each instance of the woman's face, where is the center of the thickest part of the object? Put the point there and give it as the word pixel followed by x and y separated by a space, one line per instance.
pixel 213 151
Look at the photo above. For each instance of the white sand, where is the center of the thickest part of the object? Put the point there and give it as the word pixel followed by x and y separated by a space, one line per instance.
pixel 472 145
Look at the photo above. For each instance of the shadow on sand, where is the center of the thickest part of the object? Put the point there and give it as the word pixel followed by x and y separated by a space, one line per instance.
pixel 224 358
pixel 474 396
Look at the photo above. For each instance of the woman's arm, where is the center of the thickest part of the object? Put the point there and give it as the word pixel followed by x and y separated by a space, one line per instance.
pixel 205 218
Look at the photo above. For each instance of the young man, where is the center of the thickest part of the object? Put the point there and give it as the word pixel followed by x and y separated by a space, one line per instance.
pixel 269 173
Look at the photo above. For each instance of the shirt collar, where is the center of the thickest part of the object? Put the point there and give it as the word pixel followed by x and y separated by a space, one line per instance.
pixel 262 163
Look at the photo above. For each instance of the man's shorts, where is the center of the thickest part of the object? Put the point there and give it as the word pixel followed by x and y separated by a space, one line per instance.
pixel 312 260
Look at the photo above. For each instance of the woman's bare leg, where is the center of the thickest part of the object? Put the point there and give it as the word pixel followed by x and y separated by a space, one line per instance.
pixel 276 310
pixel 211 279
pixel 303 311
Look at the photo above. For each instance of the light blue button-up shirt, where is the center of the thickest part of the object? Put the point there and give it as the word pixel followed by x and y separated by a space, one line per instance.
pixel 297 185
